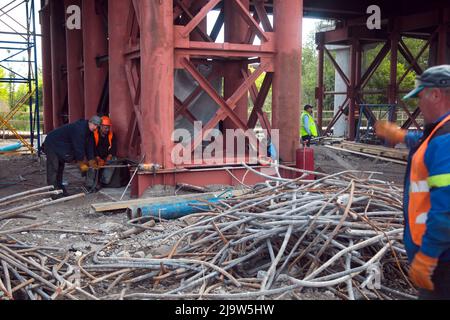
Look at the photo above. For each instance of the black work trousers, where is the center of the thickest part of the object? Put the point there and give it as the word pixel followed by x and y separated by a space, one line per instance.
pixel 307 141
pixel 55 170
pixel 441 280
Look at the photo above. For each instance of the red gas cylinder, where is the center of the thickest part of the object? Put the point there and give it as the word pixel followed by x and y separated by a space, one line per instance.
pixel 305 161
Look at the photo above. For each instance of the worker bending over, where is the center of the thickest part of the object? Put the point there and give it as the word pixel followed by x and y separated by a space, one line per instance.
pixel 427 185
pixel 70 143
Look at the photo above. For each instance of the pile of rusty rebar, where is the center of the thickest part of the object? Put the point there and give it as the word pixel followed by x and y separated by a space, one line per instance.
pixel 340 233
pixel 27 271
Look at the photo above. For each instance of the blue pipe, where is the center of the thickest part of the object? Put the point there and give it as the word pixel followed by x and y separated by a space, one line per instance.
pixel 11 147
pixel 170 211
pixel 175 210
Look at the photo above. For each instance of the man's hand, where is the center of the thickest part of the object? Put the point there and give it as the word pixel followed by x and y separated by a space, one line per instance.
pixel 93 164
pixel 390 132
pixel 101 162
pixel 109 158
pixel 421 271
pixel 83 166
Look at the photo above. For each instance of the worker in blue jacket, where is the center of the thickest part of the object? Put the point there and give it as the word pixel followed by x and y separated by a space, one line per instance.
pixel 427 185
pixel 71 143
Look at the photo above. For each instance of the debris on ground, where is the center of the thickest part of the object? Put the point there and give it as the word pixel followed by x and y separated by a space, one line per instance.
pixel 338 237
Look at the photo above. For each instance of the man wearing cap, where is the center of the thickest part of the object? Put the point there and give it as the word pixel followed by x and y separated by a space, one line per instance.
pixel 70 143
pixel 427 185
pixel 105 151
pixel 308 127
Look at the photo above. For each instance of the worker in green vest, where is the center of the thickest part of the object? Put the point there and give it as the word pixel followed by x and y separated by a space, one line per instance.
pixel 308 127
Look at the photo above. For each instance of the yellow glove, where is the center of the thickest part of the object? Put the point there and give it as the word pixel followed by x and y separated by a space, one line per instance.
pixel 83 166
pixel 390 132
pixel 421 271
pixel 93 164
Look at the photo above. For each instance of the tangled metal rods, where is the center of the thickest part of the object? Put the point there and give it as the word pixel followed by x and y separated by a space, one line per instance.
pixel 341 232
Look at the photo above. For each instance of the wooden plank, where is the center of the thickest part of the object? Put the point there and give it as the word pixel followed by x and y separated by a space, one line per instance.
pixel 377 150
pixel 368 155
pixel 123 205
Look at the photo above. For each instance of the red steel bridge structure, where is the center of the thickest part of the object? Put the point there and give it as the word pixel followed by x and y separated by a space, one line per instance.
pixel 122 62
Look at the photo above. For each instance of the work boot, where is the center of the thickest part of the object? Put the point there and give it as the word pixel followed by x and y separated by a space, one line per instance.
pixel 65 193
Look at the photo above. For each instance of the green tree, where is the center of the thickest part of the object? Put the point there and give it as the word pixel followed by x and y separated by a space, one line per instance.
pixel 3 88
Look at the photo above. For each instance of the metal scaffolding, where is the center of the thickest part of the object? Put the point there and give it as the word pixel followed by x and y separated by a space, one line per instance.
pixel 18 57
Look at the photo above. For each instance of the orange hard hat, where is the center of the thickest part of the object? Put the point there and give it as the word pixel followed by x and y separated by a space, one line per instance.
pixel 106 121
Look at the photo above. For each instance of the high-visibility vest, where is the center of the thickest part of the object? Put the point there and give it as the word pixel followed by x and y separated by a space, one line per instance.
pixel 97 138
pixel 312 126
pixel 419 191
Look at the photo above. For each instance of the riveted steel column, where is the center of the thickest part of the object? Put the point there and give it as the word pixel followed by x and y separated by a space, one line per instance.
pixel 235 32
pixel 47 67
pixel 58 56
pixel 393 92
pixel 74 45
pixel 352 89
pixel 320 84
pixel 157 80
pixel 288 16
pixel 120 106
pixel 94 45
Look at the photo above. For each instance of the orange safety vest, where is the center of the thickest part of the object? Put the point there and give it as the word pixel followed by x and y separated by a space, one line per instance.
pixel 97 138
pixel 419 191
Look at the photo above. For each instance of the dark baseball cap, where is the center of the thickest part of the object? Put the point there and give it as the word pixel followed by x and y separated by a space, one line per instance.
pixel 435 77
pixel 96 120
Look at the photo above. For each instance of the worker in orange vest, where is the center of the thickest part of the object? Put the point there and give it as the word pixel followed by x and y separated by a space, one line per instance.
pixel 105 152
pixel 427 185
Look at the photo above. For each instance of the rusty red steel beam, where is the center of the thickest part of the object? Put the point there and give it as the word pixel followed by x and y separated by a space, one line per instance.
pixel 218 25
pixel 204 35
pixel 337 116
pixel 421 52
pixel 374 65
pixel 183 111
pixel 206 49
pixel 410 116
pixel 137 11
pixel 44 15
pixel 199 17
pixel 132 24
pixel 263 16
pixel 337 67
pixel 251 35
pixel 243 11
pixel 178 10
pixel 410 58
pixel 320 84
pixel 412 119
pixel 209 89
pixel 262 96
pixel 265 123
pixel 226 107
pixel 187 102
pixel 253 89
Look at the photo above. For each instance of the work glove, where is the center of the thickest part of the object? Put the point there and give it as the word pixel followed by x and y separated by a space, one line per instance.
pixel 93 164
pixel 390 132
pixel 422 270
pixel 109 158
pixel 83 166
pixel 101 163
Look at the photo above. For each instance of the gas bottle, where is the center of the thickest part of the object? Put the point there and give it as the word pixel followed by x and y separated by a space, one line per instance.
pixel 305 161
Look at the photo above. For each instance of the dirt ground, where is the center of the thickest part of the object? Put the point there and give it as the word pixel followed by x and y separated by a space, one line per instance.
pixel 91 231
